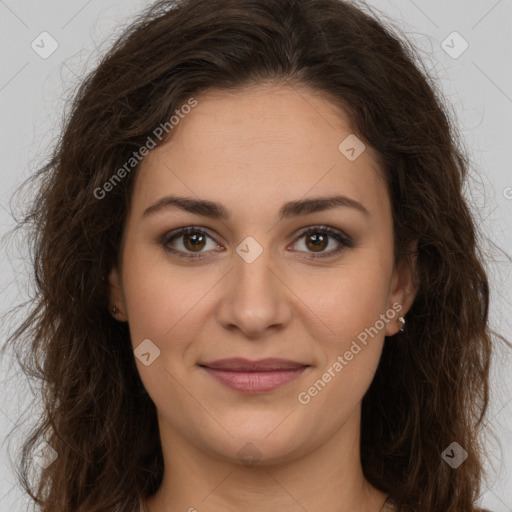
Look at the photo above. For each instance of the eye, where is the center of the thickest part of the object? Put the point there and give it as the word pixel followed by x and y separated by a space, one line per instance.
pixel 317 238
pixel 193 240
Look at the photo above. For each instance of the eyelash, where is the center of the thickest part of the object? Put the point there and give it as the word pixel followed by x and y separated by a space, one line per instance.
pixel 344 240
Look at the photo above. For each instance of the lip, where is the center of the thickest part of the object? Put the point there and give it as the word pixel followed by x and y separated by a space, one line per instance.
pixel 259 376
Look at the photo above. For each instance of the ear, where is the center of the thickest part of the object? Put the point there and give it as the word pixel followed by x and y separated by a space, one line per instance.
pixel 116 295
pixel 404 287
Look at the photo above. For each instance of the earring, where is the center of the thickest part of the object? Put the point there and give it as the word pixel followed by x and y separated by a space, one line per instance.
pixel 401 320
pixel 114 310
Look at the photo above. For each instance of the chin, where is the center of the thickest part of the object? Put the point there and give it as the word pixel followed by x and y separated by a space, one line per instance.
pixel 258 444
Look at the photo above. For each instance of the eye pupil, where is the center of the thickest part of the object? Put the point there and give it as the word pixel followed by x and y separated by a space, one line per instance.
pixel 193 238
pixel 319 241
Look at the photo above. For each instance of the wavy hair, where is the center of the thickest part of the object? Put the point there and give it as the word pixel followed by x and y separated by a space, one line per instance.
pixel 431 386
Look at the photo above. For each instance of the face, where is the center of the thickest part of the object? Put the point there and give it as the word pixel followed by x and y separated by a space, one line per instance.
pixel 270 272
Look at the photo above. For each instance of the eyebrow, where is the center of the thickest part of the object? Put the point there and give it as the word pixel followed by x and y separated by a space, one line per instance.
pixel 216 210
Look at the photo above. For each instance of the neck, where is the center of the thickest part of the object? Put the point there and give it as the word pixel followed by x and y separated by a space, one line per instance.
pixel 328 478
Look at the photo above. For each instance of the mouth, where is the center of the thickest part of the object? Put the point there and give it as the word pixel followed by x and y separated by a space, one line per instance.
pixel 252 377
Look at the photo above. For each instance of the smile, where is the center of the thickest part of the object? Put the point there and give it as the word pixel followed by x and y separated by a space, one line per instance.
pixel 254 376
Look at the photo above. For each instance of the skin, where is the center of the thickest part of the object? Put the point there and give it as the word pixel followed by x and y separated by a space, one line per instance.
pixel 253 150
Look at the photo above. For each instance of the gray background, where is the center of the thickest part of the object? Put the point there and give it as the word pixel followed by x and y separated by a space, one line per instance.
pixel 477 85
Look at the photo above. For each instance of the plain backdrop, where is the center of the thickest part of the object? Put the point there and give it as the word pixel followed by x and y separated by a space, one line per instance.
pixel 473 68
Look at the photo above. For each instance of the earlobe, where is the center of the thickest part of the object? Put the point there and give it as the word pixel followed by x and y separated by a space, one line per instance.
pixel 116 297
pixel 404 289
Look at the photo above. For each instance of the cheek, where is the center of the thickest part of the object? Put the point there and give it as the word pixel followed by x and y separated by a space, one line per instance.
pixel 351 346
pixel 348 299
pixel 165 303
pixel 160 307
pixel 155 298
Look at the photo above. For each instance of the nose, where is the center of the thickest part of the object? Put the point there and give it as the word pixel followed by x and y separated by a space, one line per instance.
pixel 255 298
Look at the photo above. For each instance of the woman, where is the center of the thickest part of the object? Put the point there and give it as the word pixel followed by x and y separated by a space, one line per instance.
pixel 259 283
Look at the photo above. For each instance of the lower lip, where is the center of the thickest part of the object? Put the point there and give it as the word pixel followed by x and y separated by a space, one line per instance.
pixel 255 382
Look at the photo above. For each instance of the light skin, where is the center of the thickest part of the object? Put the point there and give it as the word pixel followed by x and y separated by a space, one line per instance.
pixel 253 150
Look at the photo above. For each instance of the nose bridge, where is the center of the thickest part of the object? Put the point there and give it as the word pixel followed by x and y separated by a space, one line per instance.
pixel 254 300
pixel 253 272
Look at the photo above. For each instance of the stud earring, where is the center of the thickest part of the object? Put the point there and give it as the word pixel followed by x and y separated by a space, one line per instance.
pixel 114 310
pixel 401 320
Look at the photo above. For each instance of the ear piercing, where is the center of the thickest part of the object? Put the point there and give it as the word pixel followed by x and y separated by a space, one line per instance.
pixel 114 310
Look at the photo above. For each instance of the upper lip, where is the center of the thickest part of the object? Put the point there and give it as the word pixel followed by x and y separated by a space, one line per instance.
pixel 239 364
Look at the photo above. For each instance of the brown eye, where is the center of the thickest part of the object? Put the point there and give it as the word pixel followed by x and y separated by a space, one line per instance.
pixel 317 239
pixel 191 239
pixel 194 241
pixel 316 242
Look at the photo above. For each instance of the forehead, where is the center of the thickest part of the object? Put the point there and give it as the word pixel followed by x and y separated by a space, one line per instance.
pixel 260 144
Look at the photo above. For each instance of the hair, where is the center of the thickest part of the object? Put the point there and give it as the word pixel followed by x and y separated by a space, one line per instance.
pixel 431 386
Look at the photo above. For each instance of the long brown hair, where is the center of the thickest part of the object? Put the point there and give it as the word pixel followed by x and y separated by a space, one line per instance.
pixel 431 386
